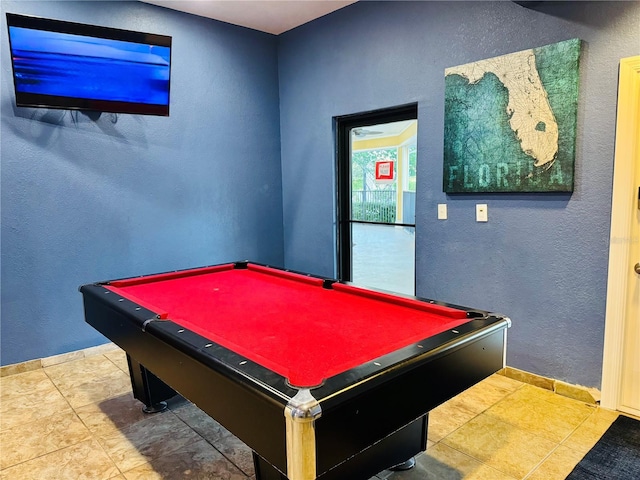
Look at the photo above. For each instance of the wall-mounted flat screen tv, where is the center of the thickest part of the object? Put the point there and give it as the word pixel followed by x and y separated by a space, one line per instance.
pixel 58 64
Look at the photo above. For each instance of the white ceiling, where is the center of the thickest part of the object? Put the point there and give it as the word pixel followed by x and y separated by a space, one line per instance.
pixel 271 16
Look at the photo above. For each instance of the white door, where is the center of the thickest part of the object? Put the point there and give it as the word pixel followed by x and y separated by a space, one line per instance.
pixel 630 381
pixel 621 368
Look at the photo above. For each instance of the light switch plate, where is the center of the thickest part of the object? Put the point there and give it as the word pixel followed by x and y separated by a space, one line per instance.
pixel 442 211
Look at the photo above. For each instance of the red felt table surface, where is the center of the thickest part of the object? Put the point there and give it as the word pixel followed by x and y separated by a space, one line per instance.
pixel 298 329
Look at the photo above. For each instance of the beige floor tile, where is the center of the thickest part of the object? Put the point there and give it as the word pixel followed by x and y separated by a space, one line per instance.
pixel 589 432
pixel 563 401
pixel 236 451
pixel 83 461
pixel 119 358
pixel 202 423
pixel 111 385
pixel 444 463
pixel 230 446
pixel 112 415
pixel 198 461
pixel 19 410
pixel 62 358
pixel 501 445
pixel 557 465
pixel 584 394
pixel 46 435
pixel 502 381
pixel 29 383
pixel 480 397
pixel 446 418
pixel 141 442
pixel 79 420
pixel 101 349
pixel 67 376
pixel 22 367
pixel 89 380
pixel 542 412
pixel 529 378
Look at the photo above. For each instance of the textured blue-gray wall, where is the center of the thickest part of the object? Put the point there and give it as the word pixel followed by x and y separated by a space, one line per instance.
pixel 86 200
pixel 541 259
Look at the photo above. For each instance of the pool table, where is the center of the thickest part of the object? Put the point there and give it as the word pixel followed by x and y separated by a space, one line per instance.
pixel 320 378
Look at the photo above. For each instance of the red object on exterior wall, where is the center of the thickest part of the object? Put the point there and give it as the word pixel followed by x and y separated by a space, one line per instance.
pixel 384 171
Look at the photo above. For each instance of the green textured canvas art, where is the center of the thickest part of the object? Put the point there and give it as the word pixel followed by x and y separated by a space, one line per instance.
pixel 510 122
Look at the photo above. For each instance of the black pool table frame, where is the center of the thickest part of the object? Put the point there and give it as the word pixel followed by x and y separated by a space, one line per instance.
pixel 353 426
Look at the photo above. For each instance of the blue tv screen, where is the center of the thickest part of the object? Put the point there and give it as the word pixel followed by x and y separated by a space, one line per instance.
pixel 68 65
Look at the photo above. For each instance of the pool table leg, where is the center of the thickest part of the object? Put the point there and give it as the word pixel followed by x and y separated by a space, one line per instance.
pixel 405 443
pixel 300 415
pixel 406 465
pixel 148 388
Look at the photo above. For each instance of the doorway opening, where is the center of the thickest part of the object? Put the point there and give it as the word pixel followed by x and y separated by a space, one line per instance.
pixel 376 179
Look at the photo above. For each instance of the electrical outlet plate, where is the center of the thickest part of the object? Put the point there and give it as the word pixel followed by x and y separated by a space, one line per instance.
pixel 482 215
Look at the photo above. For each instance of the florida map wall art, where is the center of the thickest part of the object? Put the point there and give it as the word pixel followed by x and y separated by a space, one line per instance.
pixel 510 122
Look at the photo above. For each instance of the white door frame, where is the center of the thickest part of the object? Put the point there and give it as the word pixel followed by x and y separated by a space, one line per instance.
pixel 624 202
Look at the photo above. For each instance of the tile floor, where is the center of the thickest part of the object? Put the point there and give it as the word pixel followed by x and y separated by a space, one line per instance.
pixel 78 420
